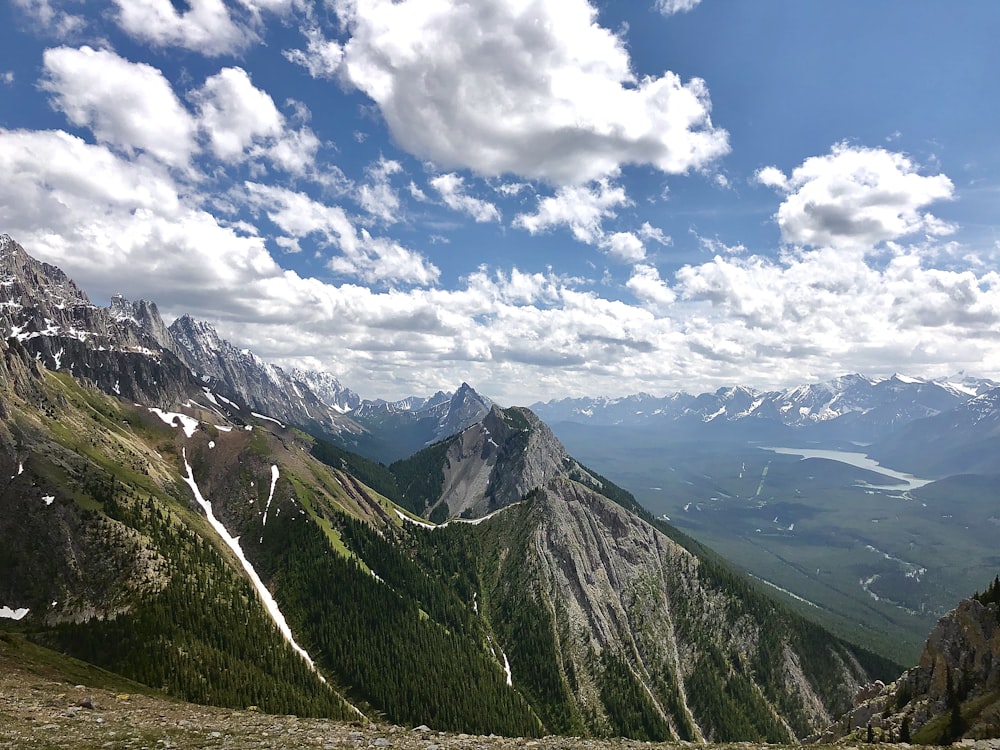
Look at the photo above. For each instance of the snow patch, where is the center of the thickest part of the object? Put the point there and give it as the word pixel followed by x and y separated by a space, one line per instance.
pixel 188 424
pixel 477 521
pixel 234 544
pixel 223 428
pixel 270 495
pixel 414 521
pixel 269 419
pixel 48 499
pixel 225 400
pixel 211 444
pixel 7 613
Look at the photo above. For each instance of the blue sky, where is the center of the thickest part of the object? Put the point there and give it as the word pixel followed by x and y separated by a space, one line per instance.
pixel 542 198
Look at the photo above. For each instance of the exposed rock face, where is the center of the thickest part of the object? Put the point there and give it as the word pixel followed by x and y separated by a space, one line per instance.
pixel 261 386
pixel 618 590
pixel 55 322
pixel 966 645
pixel 499 460
pixel 330 390
pixel 958 673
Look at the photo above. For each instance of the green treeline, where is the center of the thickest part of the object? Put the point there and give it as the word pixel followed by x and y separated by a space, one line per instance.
pixel 381 642
pixel 372 473
pixel 421 476
pixel 205 637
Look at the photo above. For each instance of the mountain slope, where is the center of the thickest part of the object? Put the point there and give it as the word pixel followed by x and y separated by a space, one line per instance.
pixel 610 625
pixel 199 547
pixel 962 440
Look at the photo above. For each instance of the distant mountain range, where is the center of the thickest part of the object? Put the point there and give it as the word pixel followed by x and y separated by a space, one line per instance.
pixel 852 404
pixel 933 427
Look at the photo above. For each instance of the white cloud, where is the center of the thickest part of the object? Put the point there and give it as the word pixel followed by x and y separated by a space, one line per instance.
pixel 416 192
pixel 624 246
pixel 648 232
pixel 669 7
pixel 7 77
pixel 207 26
pixel 535 89
pixel 582 208
pixel 370 259
pixel 451 188
pixel 646 284
pixel 378 197
pixel 321 57
pixel 117 225
pixel 824 312
pixel 856 197
pixel 52 18
pixel 772 177
pixel 234 113
pixel 125 104
pixel 293 150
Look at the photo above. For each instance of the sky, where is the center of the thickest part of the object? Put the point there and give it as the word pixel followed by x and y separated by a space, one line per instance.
pixel 542 198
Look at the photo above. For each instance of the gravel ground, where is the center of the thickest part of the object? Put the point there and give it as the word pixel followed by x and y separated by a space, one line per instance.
pixel 37 712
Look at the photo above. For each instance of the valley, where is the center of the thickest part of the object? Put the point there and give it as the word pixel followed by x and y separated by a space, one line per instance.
pixel 868 548
pixel 170 518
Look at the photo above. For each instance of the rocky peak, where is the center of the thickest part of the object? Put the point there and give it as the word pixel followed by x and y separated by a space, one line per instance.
pixel 499 460
pixel 146 316
pixel 262 386
pixel 54 321
pixel 465 407
pixel 328 388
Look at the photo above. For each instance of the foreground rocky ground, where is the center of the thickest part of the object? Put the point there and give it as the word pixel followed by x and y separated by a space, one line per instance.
pixel 42 706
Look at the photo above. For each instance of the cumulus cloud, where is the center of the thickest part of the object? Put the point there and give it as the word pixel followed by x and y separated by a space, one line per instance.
pixel 233 113
pixel 856 196
pixel 669 7
pixel 624 246
pixel 534 89
pixel 321 57
pixel 370 259
pixel 121 225
pixel 52 18
pixel 207 26
pixel 646 284
pixel 128 105
pixel 451 188
pixel 582 208
pixel 377 196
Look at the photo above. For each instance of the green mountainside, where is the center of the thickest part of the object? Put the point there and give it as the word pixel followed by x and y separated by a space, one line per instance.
pixel 606 625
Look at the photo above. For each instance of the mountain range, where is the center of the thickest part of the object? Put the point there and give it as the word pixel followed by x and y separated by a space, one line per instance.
pixel 179 511
pixel 853 409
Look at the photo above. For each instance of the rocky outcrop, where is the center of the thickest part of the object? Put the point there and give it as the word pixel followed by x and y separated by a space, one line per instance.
pixel 953 693
pixel 499 460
